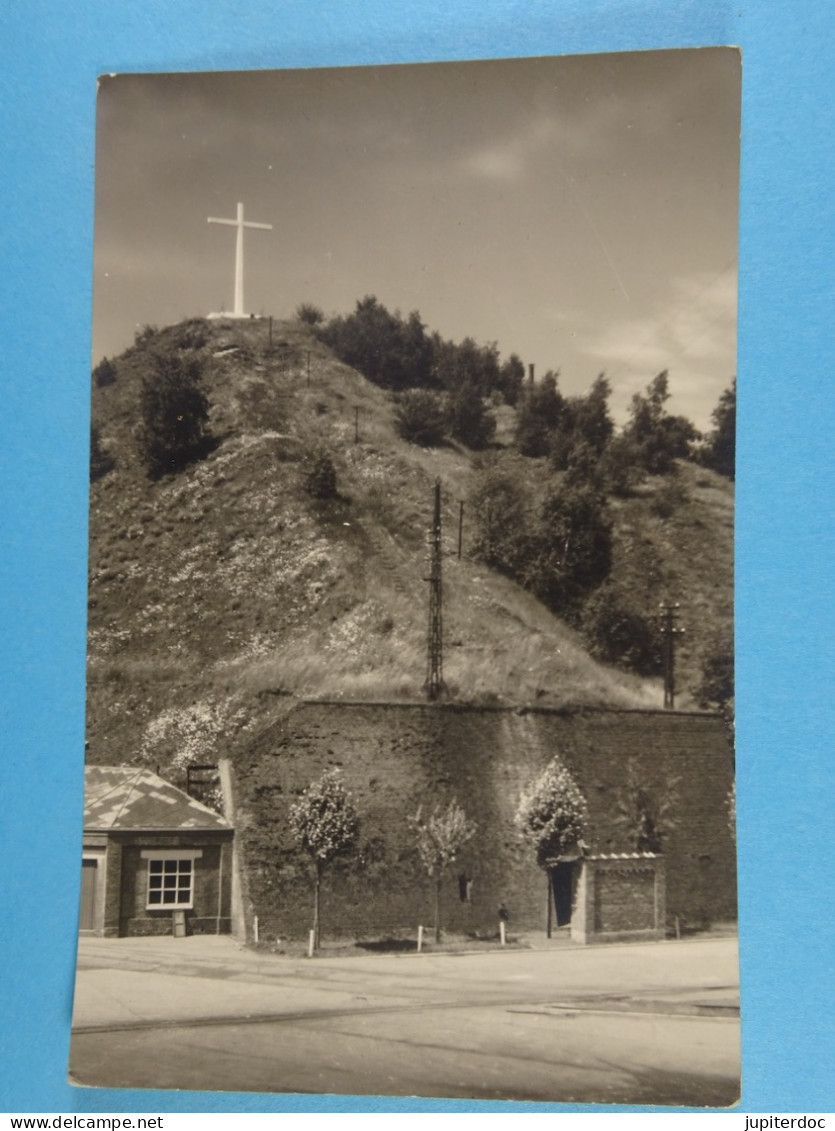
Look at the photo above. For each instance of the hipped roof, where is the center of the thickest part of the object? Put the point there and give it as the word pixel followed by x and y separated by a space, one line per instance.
pixel 127 797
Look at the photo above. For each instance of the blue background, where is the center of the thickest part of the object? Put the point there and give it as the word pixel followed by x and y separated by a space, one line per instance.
pixel 51 54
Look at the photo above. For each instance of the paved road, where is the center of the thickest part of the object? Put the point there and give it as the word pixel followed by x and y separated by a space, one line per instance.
pixel 651 1023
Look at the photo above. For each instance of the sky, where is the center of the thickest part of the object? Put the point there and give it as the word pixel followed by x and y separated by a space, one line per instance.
pixel 580 211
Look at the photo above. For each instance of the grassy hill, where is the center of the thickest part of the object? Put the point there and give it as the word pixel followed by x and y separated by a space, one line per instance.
pixel 218 592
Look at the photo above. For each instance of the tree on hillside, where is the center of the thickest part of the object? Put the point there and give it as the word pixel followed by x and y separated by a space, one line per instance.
pixel 511 378
pixel 552 815
pixel 325 824
pixel 439 839
pixel 499 506
pixel 539 413
pixel 570 552
pixel 386 348
pixel 720 452
pixel 174 426
pixel 585 423
pixel 659 439
pixel 467 418
pixel 419 417
pixel 619 632
pixel 105 373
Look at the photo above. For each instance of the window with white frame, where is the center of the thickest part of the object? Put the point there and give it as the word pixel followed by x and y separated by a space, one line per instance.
pixel 170 880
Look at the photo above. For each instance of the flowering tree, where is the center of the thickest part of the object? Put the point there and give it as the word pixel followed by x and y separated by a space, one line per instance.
pixel 325 824
pixel 552 814
pixel 439 840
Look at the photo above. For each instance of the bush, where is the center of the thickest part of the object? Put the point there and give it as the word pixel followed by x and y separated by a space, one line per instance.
pixel 175 413
pixel 419 417
pixel 499 509
pixel 716 689
pixel 618 632
pixel 669 497
pixel 467 418
pixel 104 373
pixel 310 314
pixel 321 478
pixel 570 550
pixel 101 460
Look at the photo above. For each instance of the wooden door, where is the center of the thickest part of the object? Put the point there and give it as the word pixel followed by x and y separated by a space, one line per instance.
pixel 89 876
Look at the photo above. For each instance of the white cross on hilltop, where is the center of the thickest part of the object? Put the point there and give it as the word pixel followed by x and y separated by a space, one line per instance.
pixel 240 224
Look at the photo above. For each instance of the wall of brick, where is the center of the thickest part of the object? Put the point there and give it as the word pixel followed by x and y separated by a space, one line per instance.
pixel 211 912
pixel 619 897
pixel 395 758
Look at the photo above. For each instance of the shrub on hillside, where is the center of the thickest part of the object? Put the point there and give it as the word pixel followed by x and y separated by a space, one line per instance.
pixel 716 689
pixel 321 478
pixel 419 417
pixel 467 418
pixel 499 506
pixel 619 633
pixel 104 373
pixel 174 429
pixel 539 412
pixel 101 460
pixel 671 495
pixel 310 314
pixel 659 438
pixel 720 450
pixel 570 550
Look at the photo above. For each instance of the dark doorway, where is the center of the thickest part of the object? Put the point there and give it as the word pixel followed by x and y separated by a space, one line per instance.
pixel 561 880
pixel 89 874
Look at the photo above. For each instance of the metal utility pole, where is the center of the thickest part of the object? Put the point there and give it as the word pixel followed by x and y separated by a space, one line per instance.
pixel 435 645
pixel 669 631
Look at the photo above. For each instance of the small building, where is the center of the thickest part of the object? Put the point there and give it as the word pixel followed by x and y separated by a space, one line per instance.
pixel 155 861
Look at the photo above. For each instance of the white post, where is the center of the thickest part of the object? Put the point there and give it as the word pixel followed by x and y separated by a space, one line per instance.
pixel 420 939
pixel 310 944
pixel 502 931
pixel 255 928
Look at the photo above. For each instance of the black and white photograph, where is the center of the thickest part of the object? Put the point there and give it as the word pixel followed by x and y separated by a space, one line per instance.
pixel 409 764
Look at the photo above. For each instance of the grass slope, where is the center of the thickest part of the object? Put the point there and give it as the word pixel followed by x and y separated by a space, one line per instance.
pixel 216 593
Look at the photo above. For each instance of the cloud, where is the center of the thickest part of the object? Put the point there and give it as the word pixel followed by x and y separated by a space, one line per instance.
pixel 691 333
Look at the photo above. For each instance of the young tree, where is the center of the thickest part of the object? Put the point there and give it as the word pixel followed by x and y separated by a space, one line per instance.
pixel 552 815
pixel 720 453
pixel 659 438
pixel 646 814
pixel 440 838
pixel 325 824
pixel 539 412
pixel 175 412
pixel 419 417
pixel 468 419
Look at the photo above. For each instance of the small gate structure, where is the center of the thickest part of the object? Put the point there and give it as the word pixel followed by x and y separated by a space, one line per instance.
pixel 620 897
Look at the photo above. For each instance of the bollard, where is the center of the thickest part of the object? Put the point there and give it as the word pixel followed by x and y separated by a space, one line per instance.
pixel 420 939
pixel 310 943
pixel 255 929
pixel 502 931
